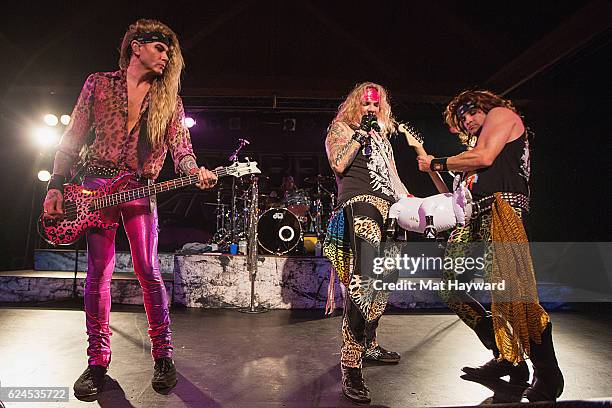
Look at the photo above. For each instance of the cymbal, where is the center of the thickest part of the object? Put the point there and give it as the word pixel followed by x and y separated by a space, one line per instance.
pixel 319 179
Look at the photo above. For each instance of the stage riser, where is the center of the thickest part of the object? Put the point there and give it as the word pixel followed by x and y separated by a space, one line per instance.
pixel 281 283
pixel 206 281
pixel 43 289
pixel 61 260
pixel 219 281
pixel 223 281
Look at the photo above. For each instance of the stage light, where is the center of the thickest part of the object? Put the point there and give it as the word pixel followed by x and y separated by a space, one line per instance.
pixel 44 175
pixel 46 136
pixel 65 119
pixel 189 122
pixel 50 119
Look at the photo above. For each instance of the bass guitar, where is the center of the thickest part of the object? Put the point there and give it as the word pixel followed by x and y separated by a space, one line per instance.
pixel 83 208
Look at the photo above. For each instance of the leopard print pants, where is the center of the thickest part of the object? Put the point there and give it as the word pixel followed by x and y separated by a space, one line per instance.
pixel 363 305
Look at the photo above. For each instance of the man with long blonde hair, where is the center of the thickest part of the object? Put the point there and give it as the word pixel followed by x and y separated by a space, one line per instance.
pixel 137 117
pixel 361 157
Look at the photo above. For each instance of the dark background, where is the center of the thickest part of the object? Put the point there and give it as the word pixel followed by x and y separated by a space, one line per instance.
pixel 275 71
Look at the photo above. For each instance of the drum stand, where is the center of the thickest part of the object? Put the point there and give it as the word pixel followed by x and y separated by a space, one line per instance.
pixel 318 209
pixel 234 213
pixel 252 247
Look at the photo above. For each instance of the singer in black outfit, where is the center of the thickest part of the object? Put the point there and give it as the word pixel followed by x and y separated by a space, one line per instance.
pixel 361 157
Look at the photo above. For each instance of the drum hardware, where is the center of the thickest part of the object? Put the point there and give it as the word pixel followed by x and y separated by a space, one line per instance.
pixel 231 222
pixel 295 222
pixel 234 214
pixel 317 205
pixel 319 179
pixel 220 236
pixel 298 202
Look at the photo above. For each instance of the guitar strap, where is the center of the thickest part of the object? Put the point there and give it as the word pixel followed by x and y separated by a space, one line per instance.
pixel 80 168
pixel 143 151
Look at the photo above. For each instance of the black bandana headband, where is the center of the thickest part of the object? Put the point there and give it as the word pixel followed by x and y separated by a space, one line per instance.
pixel 468 106
pixel 153 36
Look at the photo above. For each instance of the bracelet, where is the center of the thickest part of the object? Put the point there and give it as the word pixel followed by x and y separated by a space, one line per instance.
pixel 439 164
pixel 56 182
pixel 359 138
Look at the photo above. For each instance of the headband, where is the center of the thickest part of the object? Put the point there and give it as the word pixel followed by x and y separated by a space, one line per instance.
pixel 153 36
pixel 371 94
pixel 465 107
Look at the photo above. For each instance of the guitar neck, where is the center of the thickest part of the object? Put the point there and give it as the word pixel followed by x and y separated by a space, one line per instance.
pixel 420 150
pixel 417 145
pixel 146 191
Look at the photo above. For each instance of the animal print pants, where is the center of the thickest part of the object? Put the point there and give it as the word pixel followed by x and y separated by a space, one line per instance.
pixel 461 244
pixel 363 306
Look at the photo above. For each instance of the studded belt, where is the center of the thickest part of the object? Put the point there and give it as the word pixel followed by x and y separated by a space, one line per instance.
pixel 483 205
pixel 101 171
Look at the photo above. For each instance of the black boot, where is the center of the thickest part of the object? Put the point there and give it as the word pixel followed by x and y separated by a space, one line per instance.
pixel 90 382
pixel 381 355
pixel 164 375
pixel 494 369
pixel 353 386
pixel 547 382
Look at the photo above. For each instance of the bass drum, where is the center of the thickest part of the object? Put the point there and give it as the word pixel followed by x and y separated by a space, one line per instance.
pixel 278 231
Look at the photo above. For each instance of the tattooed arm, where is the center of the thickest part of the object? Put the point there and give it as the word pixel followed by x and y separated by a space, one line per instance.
pixel 341 147
pixel 188 165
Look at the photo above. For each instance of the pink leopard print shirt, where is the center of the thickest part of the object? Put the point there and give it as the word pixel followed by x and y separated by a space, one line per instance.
pixel 103 106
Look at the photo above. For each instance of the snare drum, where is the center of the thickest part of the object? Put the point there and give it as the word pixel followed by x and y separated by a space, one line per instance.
pixel 278 231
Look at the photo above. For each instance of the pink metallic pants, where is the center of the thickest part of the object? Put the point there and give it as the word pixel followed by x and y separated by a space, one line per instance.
pixel 140 225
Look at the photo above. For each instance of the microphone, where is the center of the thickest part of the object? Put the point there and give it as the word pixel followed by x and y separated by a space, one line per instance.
pixel 373 121
pixel 234 156
pixel 368 123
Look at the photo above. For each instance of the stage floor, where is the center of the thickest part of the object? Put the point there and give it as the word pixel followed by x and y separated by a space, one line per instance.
pixel 281 358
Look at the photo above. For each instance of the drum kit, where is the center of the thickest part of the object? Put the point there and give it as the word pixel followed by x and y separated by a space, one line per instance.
pixel 283 220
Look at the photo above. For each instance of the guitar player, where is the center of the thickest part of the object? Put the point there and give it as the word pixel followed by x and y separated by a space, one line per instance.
pixel 137 117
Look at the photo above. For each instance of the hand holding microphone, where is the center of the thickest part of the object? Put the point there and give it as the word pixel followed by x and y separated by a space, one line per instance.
pixel 369 122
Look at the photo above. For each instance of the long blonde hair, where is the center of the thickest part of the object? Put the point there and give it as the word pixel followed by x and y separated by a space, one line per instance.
pixel 349 110
pixel 164 90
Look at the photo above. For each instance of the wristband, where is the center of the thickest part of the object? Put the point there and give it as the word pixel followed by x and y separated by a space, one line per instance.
pixel 439 164
pixel 56 182
pixel 359 138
